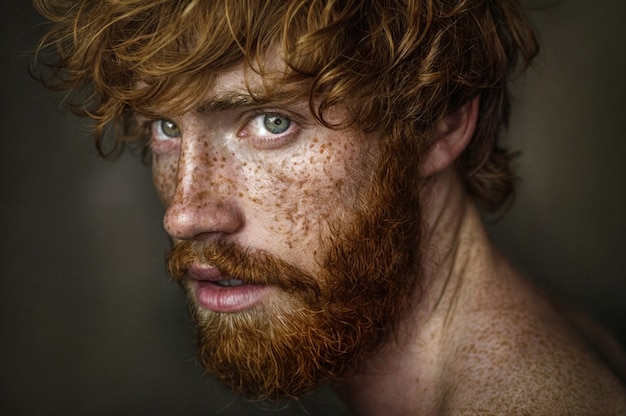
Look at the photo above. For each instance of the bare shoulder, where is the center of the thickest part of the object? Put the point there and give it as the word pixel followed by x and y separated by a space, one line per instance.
pixel 512 352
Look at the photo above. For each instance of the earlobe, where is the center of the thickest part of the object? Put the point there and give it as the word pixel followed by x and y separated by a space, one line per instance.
pixel 451 136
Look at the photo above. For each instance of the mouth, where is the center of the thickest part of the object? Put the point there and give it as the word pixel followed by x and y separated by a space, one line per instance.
pixel 212 275
pixel 223 294
pixel 229 282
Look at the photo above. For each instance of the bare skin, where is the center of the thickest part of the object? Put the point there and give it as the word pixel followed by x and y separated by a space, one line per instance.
pixel 483 341
pixel 480 340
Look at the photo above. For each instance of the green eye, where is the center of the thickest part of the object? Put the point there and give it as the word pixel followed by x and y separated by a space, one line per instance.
pixel 169 128
pixel 276 124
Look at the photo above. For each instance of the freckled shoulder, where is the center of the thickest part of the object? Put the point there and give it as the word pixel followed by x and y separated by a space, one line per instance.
pixel 511 352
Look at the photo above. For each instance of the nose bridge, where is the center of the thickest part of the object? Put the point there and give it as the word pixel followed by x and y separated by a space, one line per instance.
pixel 194 167
pixel 202 203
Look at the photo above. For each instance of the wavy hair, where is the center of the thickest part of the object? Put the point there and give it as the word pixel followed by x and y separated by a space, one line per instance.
pixel 398 65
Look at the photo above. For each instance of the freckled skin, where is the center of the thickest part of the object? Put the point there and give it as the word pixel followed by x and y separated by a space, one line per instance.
pixel 480 340
pixel 483 340
pixel 214 183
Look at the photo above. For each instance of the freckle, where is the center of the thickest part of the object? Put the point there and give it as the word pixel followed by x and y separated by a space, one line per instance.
pixel 240 194
pixel 315 140
pixel 214 159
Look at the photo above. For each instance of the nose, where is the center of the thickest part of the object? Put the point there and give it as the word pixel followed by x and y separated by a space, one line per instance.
pixel 203 204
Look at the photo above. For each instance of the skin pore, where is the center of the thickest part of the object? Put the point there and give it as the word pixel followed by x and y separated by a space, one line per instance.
pixel 477 339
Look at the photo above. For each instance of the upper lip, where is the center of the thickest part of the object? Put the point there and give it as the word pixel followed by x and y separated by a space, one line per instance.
pixel 205 273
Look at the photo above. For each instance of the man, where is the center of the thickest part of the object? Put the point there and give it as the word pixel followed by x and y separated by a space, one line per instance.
pixel 321 164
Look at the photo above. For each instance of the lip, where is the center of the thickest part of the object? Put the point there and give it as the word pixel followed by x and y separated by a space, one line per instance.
pixel 223 299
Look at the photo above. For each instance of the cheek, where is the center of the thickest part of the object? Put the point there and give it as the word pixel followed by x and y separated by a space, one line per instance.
pixel 302 194
pixel 164 171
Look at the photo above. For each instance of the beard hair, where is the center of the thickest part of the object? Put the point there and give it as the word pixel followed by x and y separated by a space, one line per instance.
pixel 317 329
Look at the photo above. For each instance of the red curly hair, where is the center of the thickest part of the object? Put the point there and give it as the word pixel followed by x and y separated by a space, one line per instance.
pixel 398 65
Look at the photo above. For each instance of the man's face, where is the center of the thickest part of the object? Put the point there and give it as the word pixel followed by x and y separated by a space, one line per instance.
pixel 294 254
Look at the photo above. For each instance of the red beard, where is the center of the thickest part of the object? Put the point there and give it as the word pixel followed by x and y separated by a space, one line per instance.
pixel 320 328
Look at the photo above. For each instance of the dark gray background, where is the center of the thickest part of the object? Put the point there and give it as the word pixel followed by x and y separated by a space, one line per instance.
pixel 90 324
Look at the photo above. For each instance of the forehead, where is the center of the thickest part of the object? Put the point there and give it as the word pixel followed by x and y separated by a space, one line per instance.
pixel 261 84
pixel 237 86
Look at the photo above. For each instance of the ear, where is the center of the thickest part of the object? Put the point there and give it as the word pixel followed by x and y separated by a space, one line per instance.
pixel 452 134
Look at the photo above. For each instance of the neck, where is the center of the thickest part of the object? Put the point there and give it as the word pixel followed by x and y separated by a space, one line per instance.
pixel 405 377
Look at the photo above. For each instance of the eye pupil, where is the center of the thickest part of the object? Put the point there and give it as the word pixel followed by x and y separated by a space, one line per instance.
pixel 276 124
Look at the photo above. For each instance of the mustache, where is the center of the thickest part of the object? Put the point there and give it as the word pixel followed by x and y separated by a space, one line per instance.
pixel 252 266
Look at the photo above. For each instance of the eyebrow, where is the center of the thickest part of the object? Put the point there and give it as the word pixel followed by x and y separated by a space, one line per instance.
pixel 233 100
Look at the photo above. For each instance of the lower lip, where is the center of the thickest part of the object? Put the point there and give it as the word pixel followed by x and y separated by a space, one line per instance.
pixel 228 298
